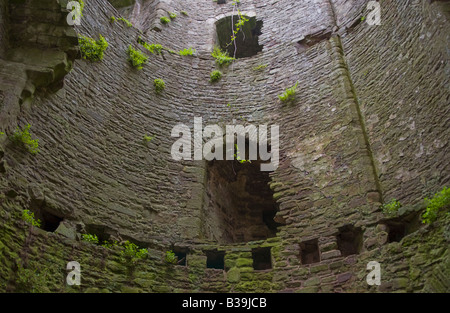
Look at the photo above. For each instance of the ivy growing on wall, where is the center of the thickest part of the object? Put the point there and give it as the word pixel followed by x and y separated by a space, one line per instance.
pixel 23 137
pixel 159 85
pixel 236 27
pixel 91 49
pixel 136 57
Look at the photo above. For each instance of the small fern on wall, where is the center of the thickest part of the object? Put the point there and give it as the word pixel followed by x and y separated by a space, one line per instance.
pixel 136 57
pixel 91 49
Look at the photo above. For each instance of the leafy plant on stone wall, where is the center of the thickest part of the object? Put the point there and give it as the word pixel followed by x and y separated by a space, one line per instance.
pixel 122 19
pixel 171 258
pixel 164 20
pixel 288 95
pixel 159 85
pixel 157 48
pixel 91 49
pixel 23 137
pixel 154 48
pixel 91 238
pixel 136 57
pixel 215 76
pixel 187 52
pixel 28 217
pixel 392 207
pixel 172 15
pixel 222 57
pixel 439 201
pixel 131 254
pixel 148 138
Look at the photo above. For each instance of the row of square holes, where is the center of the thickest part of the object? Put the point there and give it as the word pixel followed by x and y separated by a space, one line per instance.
pixel 216 259
pixel 348 240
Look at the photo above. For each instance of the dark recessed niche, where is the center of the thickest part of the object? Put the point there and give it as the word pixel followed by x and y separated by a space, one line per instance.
pixel 239 204
pixel 349 240
pixel 261 259
pixel 247 40
pixel 181 254
pixel 221 1
pixel 397 228
pixel 102 232
pixel 309 252
pixel 215 259
pixel 50 222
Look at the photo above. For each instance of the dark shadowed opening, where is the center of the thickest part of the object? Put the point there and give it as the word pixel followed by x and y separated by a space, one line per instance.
pixel 247 39
pixel 215 259
pixel 349 240
pixel 400 227
pixel 102 232
pixel 261 258
pixel 309 252
pixel 49 220
pixel 239 204
pixel 181 254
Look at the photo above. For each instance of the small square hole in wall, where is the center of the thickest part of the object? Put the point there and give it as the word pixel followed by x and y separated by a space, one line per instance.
pixel 261 258
pixel 181 254
pixel 50 222
pixel 396 231
pixel 309 252
pixel 400 227
pixel 349 240
pixel 215 259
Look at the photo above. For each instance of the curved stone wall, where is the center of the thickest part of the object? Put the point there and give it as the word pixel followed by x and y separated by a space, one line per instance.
pixel 368 124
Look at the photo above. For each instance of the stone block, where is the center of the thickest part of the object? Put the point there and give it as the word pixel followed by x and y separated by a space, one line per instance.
pixel 233 275
pixel 330 254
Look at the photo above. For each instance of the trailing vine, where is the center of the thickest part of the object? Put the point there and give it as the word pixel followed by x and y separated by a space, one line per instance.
pixel 238 26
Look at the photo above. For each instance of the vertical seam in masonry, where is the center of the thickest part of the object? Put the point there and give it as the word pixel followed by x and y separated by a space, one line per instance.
pixel 362 124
